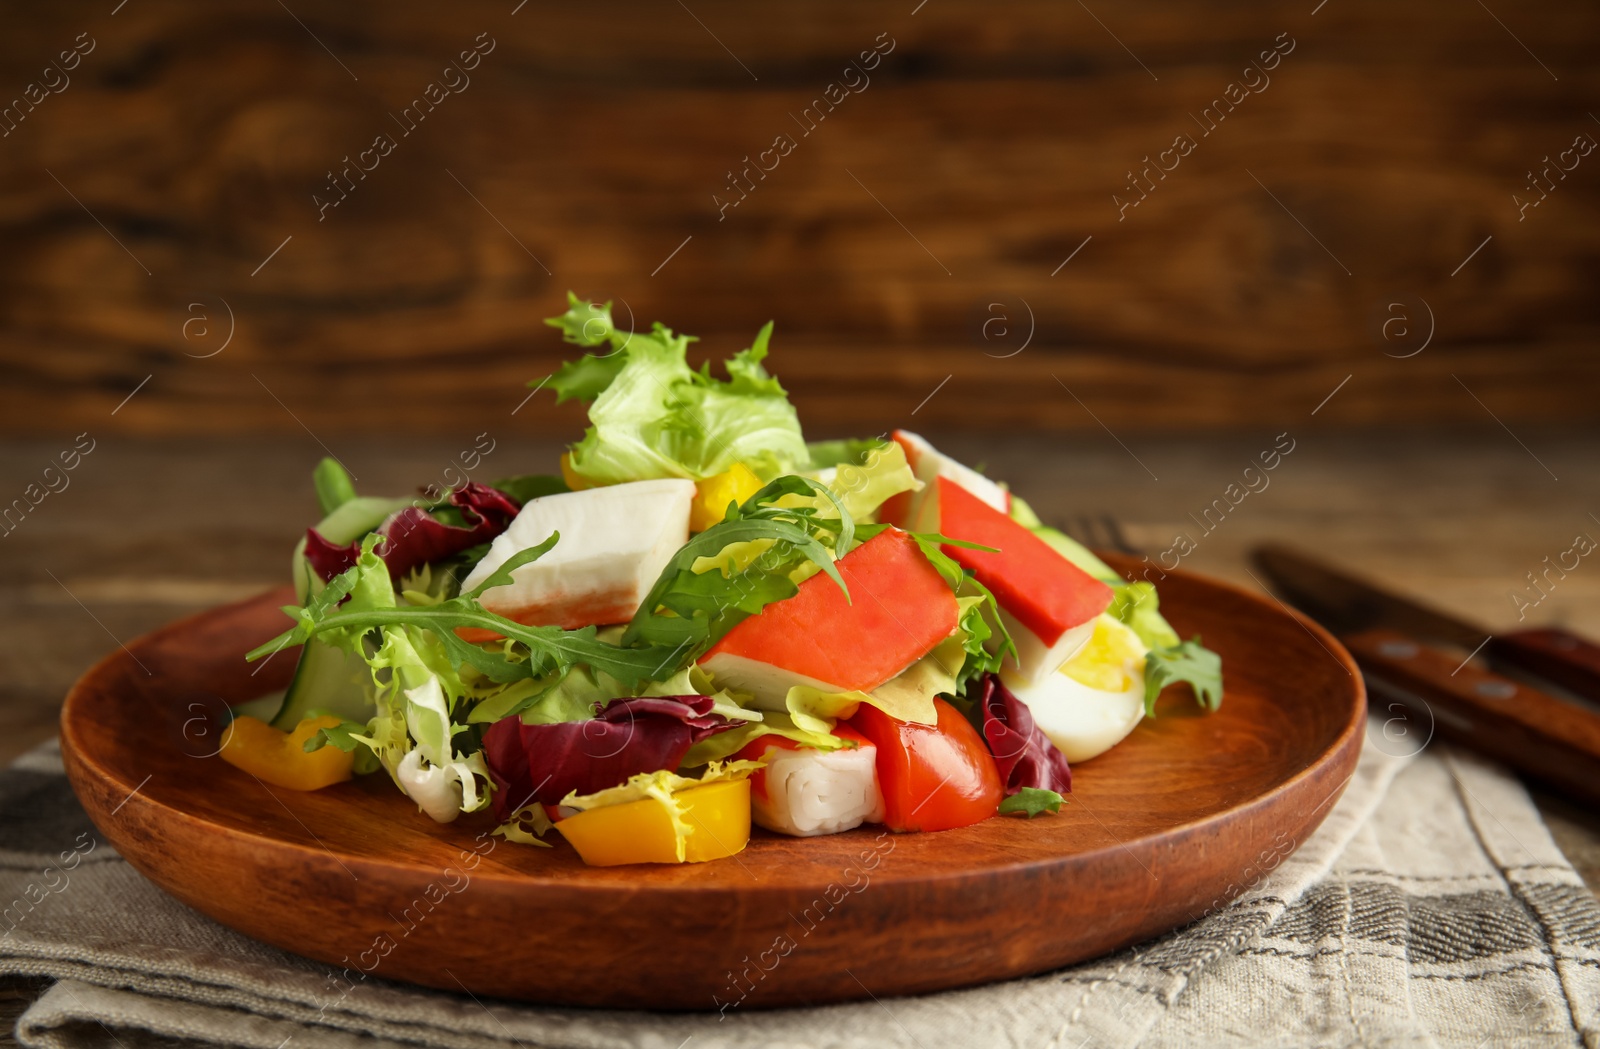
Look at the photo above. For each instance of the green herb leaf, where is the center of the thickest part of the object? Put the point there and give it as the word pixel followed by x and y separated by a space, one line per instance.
pixel 524 487
pixel 1031 801
pixel 533 651
pixel 339 736
pixel 502 576
pixel 690 610
pixel 1187 661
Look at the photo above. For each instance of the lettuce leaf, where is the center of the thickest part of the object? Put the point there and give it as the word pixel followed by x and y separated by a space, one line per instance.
pixel 864 485
pixel 1189 662
pixel 1136 605
pixel 416 687
pixel 849 450
pixel 768 723
pixel 653 416
pixel 1031 801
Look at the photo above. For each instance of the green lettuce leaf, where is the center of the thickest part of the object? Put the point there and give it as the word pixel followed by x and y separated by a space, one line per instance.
pixel 730 741
pixel 1136 605
pixel 863 486
pixel 653 416
pixel 849 450
pixel 1031 801
pixel 1189 662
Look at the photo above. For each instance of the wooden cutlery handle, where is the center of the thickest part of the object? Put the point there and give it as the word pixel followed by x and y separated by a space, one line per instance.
pixel 1553 654
pixel 1543 737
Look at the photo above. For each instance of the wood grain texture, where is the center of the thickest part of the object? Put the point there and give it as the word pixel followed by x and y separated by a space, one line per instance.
pixel 1171 823
pixel 1544 738
pixel 984 151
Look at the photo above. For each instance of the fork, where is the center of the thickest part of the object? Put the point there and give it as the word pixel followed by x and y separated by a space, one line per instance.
pixel 1099 531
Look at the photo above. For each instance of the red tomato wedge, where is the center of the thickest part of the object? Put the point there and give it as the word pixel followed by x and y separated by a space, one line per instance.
pixel 933 777
pixel 1045 592
pixel 899 608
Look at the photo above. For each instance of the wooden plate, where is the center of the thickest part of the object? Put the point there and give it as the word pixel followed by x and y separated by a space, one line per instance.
pixel 1175 821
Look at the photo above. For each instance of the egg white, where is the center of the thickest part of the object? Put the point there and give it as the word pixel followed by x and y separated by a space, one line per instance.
pixel 1084 722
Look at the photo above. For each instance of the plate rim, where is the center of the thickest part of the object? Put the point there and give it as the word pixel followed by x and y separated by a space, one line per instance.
pixel 1322 781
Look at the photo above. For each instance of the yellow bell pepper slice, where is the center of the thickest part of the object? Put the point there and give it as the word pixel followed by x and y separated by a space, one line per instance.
pixel 713 495
pixel 575 481
pixel 718 815
pixel 279 758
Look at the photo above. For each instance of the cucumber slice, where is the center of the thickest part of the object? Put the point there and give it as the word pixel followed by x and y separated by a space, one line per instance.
pixel 327 680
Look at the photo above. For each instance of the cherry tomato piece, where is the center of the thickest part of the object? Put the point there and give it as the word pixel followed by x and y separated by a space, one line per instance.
pixel 933 777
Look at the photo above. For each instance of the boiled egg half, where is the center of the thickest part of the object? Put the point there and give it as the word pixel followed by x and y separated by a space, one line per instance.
pixel 1095 699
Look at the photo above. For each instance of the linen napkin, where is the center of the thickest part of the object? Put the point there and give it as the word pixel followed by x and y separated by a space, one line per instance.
pixel 1430 909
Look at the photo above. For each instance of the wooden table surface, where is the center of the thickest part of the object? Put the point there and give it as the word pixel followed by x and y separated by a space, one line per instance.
pixel 149 530
pixel 920 229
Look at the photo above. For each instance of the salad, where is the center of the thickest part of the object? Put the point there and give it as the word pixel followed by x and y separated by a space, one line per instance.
pixel 701 621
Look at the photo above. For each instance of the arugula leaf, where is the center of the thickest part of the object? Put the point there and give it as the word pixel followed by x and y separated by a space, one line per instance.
pixel 525 487
pixel 544 650
pixel 1188 661
pixel 780 529
pixel 502 576
pixel 1031 801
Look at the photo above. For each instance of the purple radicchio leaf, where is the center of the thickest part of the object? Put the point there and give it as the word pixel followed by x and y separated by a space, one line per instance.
pixel 1024 754
pixel 414 537
pixel 545 763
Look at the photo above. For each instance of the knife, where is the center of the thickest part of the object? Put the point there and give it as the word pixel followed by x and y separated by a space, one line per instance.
pixel 1397 642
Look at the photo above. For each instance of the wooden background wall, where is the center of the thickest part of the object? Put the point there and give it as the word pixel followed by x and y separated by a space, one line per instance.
pixel 985 150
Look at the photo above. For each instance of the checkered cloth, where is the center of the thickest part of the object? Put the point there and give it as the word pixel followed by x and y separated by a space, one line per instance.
pixel 1431 909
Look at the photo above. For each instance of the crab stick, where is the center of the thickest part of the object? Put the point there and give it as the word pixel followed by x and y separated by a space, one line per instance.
pixel 614 543
pixel 1047 603
pixel 898 610
pixel 805 792
pixel 929 464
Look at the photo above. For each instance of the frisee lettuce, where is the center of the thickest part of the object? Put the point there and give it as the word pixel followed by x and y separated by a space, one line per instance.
pixel 653 416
